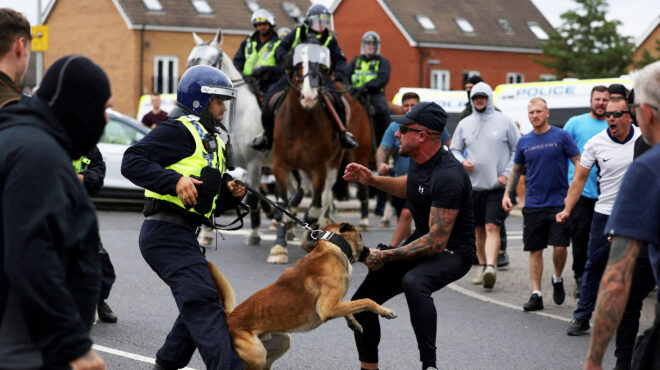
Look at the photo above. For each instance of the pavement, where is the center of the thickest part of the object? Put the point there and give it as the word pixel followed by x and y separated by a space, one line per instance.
pixel 513 286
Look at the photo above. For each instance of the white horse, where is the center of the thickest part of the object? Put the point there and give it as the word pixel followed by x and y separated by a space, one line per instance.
pixel 248 117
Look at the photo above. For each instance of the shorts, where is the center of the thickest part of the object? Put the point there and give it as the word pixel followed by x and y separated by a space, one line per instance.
pixel 488 207
pixel 540 229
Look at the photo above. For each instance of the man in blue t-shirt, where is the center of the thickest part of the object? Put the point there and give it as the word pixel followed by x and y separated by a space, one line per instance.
pixel 633 224
pixel 544 152
pixel 582 128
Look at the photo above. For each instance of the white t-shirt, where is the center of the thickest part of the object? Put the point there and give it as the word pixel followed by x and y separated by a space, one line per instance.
pixel 612 159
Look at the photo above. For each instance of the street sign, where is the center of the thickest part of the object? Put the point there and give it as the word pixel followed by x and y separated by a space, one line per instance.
pixel 39 38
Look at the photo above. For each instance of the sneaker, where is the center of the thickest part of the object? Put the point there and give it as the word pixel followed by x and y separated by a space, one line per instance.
pixel 535 303
pixel 106 314
pixel 347 140
pixel 502 259
pixel 578 287
pixel 558 293
pixel 260 143
pixel 578 327
pixel 489 276
pixel 479 275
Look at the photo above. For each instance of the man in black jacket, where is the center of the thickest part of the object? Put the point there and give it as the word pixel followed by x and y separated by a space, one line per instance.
pixel 49 264
pixel 90 169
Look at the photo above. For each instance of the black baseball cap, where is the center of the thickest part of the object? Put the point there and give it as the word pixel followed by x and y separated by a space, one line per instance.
pixel 427 114
pixel 617 89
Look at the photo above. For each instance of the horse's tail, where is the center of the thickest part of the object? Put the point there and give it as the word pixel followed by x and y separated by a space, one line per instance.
pixel 225 291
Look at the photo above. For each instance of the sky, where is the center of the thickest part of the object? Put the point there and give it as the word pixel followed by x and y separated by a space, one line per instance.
pixel 636 15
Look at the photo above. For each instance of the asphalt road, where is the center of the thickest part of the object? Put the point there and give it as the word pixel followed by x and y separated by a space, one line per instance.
pixel 472 334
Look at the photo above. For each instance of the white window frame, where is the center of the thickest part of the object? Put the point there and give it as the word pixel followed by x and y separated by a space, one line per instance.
pixel 537 31
pixel 468 74
pixel 202 6
pixel 174 78
pixel 547 77
pixel 464 25
pixel 152 5
pixel 440 79
pixel 252 5
pixel 425 22
pixel 515 77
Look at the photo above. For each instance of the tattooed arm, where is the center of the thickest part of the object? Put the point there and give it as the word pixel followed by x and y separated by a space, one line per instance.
pixel 511 185
pixel 612 296
pixel 441 222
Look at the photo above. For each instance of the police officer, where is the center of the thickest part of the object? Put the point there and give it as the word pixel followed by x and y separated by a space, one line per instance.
pixel 370 72
pixel 90 170
pixel 181 163
pixel 318 23
pixel 255 57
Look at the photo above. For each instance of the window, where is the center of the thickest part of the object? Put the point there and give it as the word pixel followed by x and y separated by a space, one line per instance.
pixel 202 7
pixel 440 79
pixel 537 31
pixel 252 5
pixel 426 22
pixel 165 74
pixel 515 78
pixel 118 132
pixel 292 10
pixel 468 74
pixel 547 77
pixel 505 26
pixel 464 25
pixel 153 5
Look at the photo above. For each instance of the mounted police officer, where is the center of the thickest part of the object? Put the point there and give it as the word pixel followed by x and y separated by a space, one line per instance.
pixel 318 23
pixel 255 57
pixel 181 163
pixel 370 72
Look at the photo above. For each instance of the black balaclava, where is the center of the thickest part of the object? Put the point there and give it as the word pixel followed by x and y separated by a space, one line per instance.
pixel 473 80
pixel 76 89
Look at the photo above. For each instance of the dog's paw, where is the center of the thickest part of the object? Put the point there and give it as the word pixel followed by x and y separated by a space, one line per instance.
pixel 355 326
pixel 389 314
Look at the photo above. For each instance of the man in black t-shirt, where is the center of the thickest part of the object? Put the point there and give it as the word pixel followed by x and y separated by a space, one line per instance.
pixel 441 249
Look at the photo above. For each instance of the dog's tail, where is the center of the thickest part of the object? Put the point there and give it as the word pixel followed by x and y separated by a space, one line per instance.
pixel 225 291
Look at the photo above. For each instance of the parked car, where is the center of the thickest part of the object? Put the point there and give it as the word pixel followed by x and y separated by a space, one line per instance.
pixel 120 133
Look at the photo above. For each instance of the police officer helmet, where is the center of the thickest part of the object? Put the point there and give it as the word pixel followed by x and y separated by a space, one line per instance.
pixel 201 83
pixel 283 32
pixel 262 15
pixel 370 38
pixel 319 18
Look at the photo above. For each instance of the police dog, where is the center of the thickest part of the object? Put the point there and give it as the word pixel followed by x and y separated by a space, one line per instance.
pixel 304 297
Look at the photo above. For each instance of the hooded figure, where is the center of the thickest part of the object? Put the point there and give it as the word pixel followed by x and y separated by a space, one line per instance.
pixel 481 136
pixel 49 265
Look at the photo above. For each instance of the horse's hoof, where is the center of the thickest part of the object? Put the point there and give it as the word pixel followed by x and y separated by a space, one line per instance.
pixel 384 223
pixel 290 235
pixel 278 255
pixel 362 227
pixel 253 240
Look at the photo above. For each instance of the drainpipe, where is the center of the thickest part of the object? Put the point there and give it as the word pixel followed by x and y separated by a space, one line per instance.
pixel 141 64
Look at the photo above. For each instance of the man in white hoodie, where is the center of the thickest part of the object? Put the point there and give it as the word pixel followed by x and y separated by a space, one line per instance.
pixel 485 143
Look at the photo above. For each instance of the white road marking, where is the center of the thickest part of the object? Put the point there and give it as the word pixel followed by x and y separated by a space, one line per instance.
pixel 480 297
pixel 132 356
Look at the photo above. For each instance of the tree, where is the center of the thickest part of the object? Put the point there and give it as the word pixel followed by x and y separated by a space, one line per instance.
pixel 647 58
pixel 587 45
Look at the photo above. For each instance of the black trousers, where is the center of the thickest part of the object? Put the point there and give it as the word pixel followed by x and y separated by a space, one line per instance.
pixel 417 280
pixel 380 117
pixel 643 283
pixel 581 217
pixel 107 273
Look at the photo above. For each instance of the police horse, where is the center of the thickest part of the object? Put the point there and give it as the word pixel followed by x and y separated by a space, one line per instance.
pixel 248 118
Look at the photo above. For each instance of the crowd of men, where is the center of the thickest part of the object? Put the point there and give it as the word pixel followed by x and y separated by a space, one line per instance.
pixel 55 274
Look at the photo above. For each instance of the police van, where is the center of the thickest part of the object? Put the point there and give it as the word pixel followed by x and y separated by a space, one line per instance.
pixel 565 98
pixel 452 101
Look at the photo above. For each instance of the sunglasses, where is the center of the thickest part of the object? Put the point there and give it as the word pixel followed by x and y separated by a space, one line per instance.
pixel 616 113
pixel 403 129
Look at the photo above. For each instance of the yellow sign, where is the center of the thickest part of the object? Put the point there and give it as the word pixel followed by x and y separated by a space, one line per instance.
pixel 39 38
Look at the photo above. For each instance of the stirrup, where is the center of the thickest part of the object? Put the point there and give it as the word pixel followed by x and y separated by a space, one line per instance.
pixel 347 140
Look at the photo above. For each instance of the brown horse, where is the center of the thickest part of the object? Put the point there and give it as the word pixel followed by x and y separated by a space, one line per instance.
pixel 305 138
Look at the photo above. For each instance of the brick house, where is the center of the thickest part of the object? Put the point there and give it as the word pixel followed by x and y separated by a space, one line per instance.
pixel 439 43
pixel 143 44
pixel 648 41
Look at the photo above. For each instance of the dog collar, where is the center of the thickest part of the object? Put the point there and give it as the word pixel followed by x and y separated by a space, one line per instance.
pixel 338 241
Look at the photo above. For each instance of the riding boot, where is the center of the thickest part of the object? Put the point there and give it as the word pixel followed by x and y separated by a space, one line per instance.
pixel 261 142
pixel 347 140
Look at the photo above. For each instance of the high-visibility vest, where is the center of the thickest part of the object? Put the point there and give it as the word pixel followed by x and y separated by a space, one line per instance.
pixel 264 57
pixel 365 71
pixel 296 41
pixel 81 164
pixel 193 165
